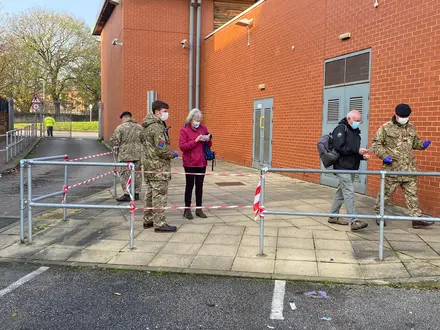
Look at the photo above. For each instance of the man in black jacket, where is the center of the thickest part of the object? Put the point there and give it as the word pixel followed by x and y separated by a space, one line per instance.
pixel 347 142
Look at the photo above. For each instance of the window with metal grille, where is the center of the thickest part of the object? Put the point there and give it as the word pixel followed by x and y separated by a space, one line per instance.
pixel 334 72
pixel 333 111
pixel 347 70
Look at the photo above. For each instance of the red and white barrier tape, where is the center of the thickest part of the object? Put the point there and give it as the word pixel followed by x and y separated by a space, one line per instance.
pixel 92 156
pixel 87 181
pixel 206 174
pixel 175 207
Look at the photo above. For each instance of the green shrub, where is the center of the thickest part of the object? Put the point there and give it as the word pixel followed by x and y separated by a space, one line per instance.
pixel 65 126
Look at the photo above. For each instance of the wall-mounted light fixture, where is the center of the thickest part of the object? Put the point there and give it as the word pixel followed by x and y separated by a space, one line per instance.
pixel 345 36
pixel 116 42
pixel 247 23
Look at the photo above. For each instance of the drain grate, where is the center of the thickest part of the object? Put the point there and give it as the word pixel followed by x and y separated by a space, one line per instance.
pixel 229 184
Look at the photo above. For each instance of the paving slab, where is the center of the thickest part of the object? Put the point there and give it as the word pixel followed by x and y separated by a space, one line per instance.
pixel 340 270
pixel 93 256
pixel 253 265
pixel 218 250
pixel 300 268
pixel 172 260
pixel 132 258
pixel 210 262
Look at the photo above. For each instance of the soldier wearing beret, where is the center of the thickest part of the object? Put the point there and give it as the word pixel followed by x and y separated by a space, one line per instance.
pixel 394 143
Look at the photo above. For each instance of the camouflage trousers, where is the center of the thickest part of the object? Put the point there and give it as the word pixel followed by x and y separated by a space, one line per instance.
pixel 124 172
pixel 156 196
pixel 409 187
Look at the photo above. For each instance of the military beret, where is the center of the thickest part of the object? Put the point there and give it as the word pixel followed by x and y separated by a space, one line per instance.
pixel 125 113
pixel 403 110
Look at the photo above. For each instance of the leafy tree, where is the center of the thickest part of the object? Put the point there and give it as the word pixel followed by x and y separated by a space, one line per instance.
pixel 55 46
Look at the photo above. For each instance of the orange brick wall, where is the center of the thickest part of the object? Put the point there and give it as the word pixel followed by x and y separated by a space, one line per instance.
pixel 154 58
pixel 111 72
pixel 404 36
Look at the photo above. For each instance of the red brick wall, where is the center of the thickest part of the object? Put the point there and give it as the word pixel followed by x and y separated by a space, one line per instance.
pixel 154 58
pixel 112 71
pixel 404 36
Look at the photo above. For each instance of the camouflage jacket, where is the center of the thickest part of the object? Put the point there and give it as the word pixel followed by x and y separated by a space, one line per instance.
pixel 397 141
pixel 126 138
pixel 156 148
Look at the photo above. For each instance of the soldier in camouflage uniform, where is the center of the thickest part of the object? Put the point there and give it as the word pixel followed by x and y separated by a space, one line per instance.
pixel 126 143
pixel 394 143
pixel 157 158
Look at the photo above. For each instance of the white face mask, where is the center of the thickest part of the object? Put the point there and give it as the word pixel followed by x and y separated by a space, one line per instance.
pixel 164 116
pixel 196 124
pixel 402 121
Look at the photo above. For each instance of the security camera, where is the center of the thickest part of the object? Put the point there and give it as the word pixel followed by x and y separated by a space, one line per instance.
pixel 115 42
pixel 184 43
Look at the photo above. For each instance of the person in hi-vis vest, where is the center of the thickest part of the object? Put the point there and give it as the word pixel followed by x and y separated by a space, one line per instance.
pixel 49 122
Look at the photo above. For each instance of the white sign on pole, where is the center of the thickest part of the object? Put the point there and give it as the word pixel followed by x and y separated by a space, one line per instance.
pixel 36 106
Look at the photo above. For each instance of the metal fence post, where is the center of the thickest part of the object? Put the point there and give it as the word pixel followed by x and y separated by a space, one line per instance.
pixel 382 213
pixel 29 201
pixel 263 183
pixel 15 143
pixel 66 178
pixel 7 147
pixel 22 202
pixel 132 210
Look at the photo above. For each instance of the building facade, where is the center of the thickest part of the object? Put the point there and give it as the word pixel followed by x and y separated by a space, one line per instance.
pixel 282 73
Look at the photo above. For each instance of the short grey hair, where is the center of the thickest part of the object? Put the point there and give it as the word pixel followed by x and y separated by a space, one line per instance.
pixel 193 113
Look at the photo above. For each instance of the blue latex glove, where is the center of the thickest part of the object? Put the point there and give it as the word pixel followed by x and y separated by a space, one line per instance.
pixel 175 154
pixel 426 144
pixel 387 160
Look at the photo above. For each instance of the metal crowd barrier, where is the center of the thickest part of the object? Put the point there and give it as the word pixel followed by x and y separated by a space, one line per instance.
pixel 32 202
pixel 381 216
pixel 19 139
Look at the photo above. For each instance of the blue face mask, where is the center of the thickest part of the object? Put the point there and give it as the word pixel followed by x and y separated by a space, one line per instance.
pixel 355 124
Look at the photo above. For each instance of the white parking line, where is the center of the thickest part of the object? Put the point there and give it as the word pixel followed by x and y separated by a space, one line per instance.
pixel 23 280
pixel 278 300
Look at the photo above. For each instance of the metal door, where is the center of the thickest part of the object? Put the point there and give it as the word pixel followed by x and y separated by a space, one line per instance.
pixel 337 103
pixel 357 97
pixel 262 135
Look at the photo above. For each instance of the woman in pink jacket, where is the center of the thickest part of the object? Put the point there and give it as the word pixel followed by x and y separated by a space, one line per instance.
pixel 192 137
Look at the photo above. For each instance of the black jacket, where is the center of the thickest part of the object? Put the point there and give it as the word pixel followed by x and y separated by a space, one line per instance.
pixel 347 142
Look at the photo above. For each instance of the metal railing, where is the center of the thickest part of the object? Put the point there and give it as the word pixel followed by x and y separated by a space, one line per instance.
pixel 381 216
pixel 32 202
pixel 19 139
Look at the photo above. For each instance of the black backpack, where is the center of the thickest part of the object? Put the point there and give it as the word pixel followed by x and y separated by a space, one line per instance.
pixel 328 155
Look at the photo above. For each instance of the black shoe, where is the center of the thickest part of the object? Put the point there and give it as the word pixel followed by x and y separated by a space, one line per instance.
pixel 378 223
pixel 200 214
pixel 165 229
pixel 123 198
pixel 188 214
pixel 148 225
pixel 136 197
pixel 421 224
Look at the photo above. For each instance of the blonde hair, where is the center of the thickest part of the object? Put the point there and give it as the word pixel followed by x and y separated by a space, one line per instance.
pixel 193 113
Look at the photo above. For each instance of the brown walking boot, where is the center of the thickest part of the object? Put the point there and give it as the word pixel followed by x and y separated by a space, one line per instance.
pixel 338 221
